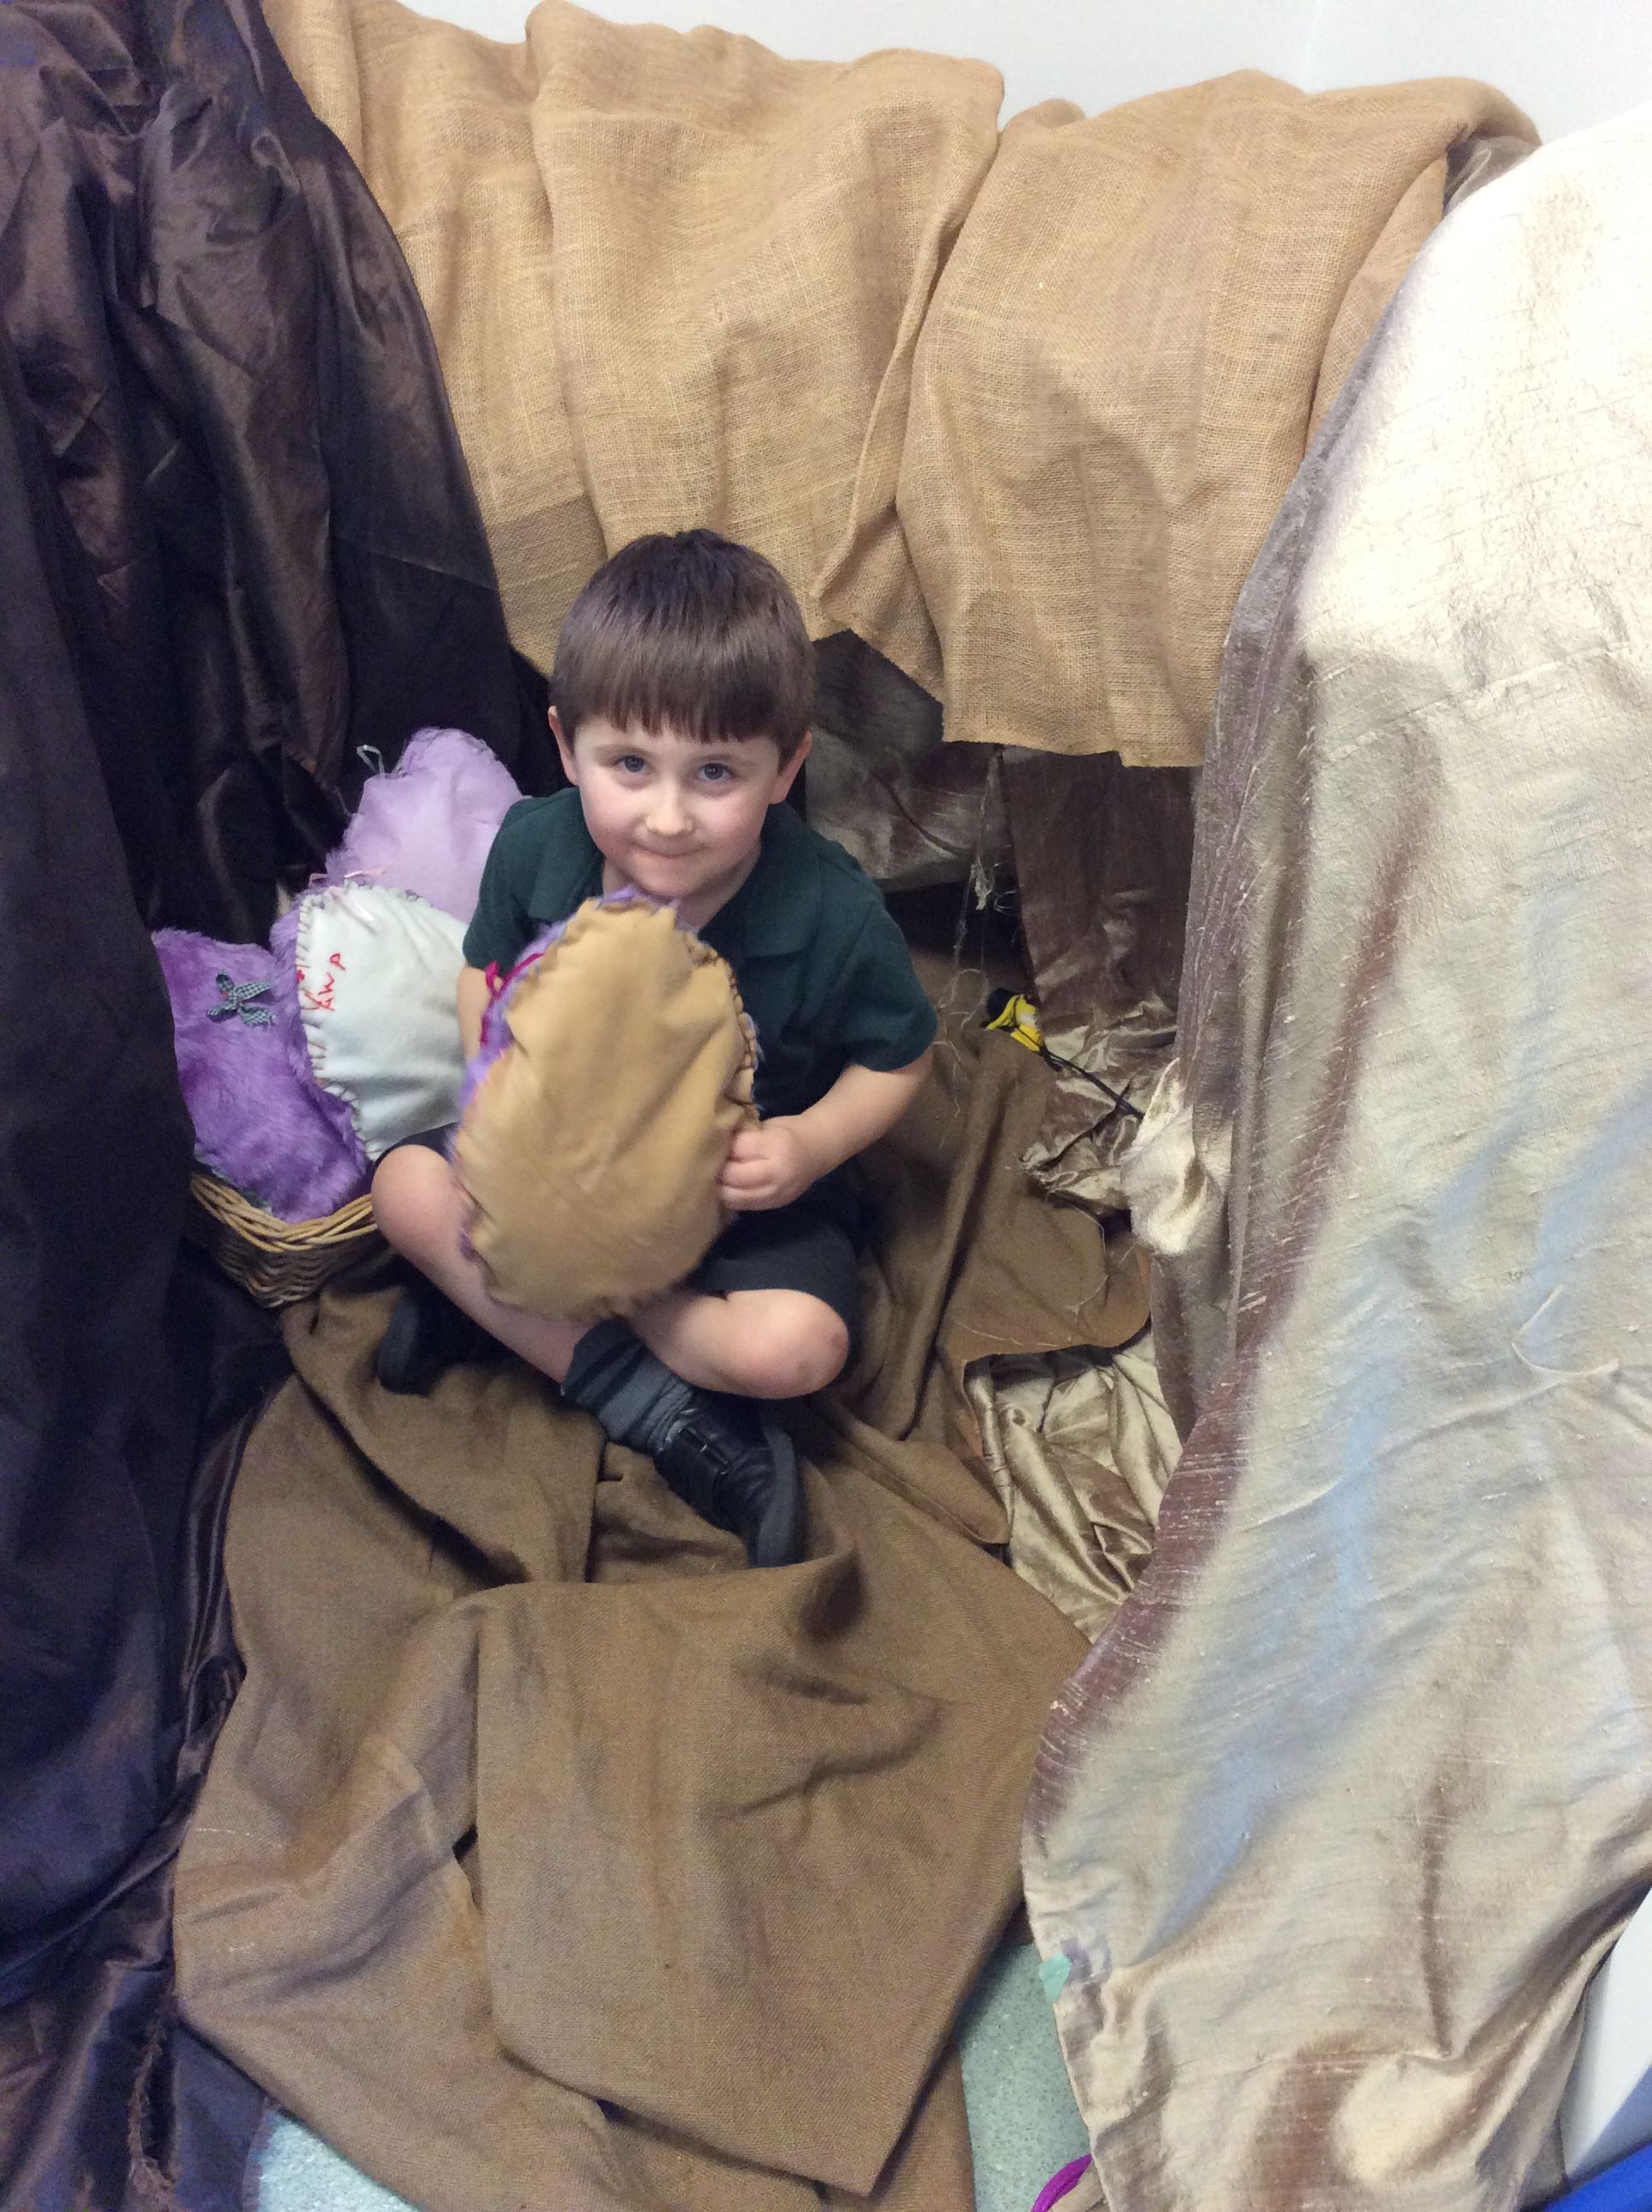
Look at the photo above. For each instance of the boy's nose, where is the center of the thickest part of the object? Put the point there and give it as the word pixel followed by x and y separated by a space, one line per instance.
pixel 668 814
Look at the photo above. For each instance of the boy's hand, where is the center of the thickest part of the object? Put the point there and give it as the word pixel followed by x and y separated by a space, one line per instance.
pixel 767 1166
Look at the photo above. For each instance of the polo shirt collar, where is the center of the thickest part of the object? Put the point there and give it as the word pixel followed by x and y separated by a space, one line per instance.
pixel 776 911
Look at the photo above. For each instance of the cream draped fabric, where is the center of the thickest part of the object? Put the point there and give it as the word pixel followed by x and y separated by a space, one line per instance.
pixel 1339 1816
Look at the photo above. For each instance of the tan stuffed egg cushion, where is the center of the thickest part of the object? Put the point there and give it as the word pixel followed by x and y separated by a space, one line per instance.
pixel 590 1152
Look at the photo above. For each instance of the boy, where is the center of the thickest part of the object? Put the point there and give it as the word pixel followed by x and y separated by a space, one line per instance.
pixel 682 681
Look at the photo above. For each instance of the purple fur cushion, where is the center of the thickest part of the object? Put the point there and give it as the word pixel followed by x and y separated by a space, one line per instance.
pixel 426 825
pixel 261 1122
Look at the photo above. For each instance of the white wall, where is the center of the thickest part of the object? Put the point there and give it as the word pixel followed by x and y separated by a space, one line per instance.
pixel 1095 52
pixel 1568 62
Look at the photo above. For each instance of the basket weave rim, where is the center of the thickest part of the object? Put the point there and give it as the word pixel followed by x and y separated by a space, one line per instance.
pixel 265 1231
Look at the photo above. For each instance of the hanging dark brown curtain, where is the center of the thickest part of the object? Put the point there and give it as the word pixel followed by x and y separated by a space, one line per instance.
pixel 268 551
pixel 237 545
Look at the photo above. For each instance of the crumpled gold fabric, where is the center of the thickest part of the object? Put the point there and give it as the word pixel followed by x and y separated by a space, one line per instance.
pixel 1079 1445
pixel 1336 1820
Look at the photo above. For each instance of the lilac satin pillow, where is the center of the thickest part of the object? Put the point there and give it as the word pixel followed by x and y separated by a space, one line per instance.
pixel 427 824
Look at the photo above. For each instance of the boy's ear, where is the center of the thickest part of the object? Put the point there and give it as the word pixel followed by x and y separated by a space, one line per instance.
pixel 789 772
pixel 563 746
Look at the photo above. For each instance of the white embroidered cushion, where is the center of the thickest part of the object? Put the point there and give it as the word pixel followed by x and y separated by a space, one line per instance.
pixel 378 972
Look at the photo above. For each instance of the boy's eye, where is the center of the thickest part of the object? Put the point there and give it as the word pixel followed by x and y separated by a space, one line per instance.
pixel 631 763
pixel 717 772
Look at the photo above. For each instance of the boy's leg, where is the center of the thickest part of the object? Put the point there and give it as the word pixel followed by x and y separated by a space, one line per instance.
pixel 783 1303
pixel 756 1343
pixel 732 1465
pixel 421 1210
pixel 750 1344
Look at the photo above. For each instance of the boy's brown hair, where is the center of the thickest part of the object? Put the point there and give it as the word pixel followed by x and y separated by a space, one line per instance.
pixel 691 630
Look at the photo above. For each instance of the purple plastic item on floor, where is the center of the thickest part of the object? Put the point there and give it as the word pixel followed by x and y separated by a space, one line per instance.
pixel 1060 2185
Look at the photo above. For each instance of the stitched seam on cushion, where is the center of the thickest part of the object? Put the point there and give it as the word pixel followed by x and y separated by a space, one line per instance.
pixel 314 1034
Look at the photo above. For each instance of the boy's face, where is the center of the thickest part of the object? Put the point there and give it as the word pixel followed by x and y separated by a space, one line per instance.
pixel 673 816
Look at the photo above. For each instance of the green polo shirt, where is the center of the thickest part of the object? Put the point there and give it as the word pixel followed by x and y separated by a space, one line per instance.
pixel 824 973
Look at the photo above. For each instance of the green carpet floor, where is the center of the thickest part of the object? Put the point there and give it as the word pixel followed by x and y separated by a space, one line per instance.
pixel 1023 2121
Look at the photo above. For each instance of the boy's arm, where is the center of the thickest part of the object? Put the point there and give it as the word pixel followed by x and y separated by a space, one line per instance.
pixel 472 1005
pixel 776 1162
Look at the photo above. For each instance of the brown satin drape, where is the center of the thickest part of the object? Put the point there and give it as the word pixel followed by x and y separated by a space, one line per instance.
pixel 236 541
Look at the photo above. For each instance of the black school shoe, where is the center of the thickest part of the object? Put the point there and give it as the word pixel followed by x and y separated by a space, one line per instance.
pixel 726 1458
pixel 734 1466
pixel 427 1334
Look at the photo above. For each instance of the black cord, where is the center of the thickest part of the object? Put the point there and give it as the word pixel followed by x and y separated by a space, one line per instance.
pixel 995 1005
pixel 1120 1103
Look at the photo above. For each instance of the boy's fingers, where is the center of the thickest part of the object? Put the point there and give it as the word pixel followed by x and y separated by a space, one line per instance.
pixel 743 1174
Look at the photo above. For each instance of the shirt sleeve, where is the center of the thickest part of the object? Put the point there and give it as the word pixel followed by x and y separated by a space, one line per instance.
pixel 883 1018
pixel 501 924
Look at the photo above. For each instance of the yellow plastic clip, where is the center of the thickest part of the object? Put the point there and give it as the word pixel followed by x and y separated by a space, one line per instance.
pixel 1019 1017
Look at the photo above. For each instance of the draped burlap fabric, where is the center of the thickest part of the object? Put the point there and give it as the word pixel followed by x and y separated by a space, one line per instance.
pixel 1116 383
pixel 1341 1812
pixel 744 249
pixel 673 279
pixel 1017 412
pixel 440 122
pixel 590 1154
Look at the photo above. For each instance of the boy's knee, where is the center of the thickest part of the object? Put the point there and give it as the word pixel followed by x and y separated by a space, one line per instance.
pixel 793 1351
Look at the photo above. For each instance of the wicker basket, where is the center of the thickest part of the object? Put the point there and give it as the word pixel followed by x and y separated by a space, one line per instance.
pixel 278 1261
